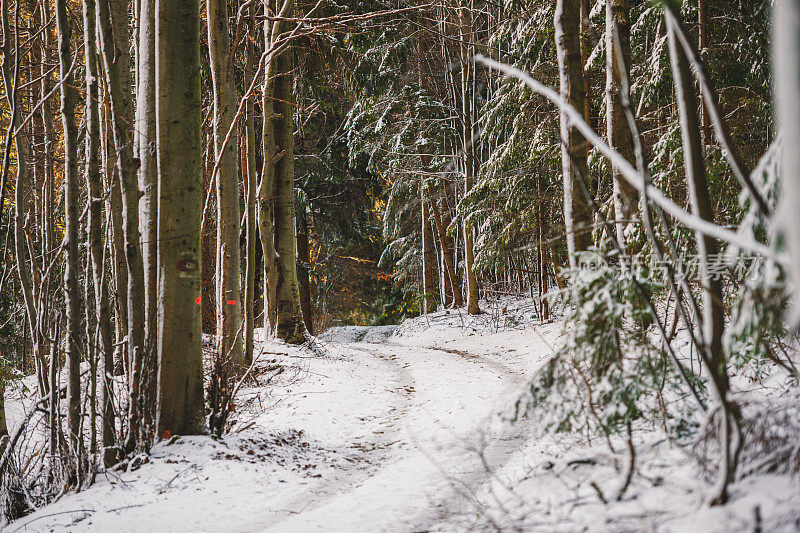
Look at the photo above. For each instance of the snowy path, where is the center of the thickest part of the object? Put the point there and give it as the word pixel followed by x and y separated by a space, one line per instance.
pixel 394 435
pixel 391 429
pixel 439 418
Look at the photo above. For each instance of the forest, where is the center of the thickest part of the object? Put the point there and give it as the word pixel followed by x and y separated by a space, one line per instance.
pixel 372 265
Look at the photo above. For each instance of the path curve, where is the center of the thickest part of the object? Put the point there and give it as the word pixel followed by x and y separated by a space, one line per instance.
pixel 444 420
pixel 370 433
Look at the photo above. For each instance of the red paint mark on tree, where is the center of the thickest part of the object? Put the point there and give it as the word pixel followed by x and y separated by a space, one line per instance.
pixel 197 300
pixel 231 302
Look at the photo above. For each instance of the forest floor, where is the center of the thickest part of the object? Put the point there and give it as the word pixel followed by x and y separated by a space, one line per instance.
pixel 407 429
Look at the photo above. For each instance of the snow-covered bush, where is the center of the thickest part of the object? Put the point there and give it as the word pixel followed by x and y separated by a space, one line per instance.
pixel 609 371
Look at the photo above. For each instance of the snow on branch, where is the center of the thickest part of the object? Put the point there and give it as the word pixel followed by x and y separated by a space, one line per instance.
pixel 630 174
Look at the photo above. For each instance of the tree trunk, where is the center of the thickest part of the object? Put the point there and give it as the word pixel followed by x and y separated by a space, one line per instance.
pixel 52 405
pixel 180 208
pixel 467 121
pixel 577 216
pixel 713 311
pixel 229 305
pixel 303 266
pixel 44 182
pixel 145 136
pixel 428 249
pixel 428 258
pixel 271 153
pixel 21 256
pixel 3 423
pixel 117 244
pixel 112 21
pixel 250 199
pixel 94 187
pixel 617 130
pixel 447 252
pixel 786 66
pixel 91 346
pixel 702 21
pixel 586 50
pixel 71 238
pixel 289 323
pixel 541 255
pixel 48 188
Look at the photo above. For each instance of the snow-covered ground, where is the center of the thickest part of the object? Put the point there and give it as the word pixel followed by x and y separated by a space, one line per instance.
pixel 406 429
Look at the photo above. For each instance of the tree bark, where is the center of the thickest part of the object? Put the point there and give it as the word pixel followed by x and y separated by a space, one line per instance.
pixel 94 187
pixel 428 258
pixel 289 325
pixel 447 252
pixel 713 311
pixel 271 153
pixel 702 21
pixel 44 182
pixel 21 256
pixel 3 423
pixel 180 190
pixel 617 130
pixel 541 254
pixel 71 238
pixel 303 266
pixel 145 137
pixel 467 121
pixel 117 245
pixel 229 305
pixel 586 49
pixel 250 199
pixel 577 215
pixel 786 66
pixel 112 21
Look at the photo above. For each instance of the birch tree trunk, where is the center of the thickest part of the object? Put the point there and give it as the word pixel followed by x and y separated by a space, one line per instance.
pixel 94 187
pixel 145 136
pixel 180 189
pixel 112 21
pixel 229 320
pixel 617 130
pixel 71 238
pixel 577 216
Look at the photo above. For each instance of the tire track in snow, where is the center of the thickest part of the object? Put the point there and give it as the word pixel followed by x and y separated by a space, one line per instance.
pixel 446 427
pixel 371 451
